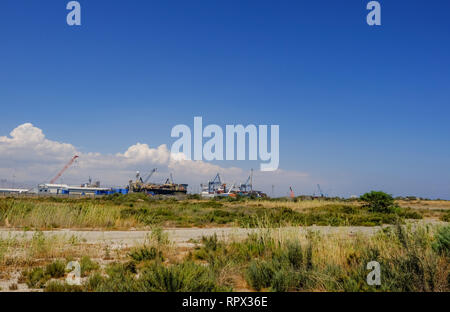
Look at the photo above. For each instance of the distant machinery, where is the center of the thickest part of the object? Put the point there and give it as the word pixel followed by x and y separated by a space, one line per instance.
pixel 52 181
pixel 168 188
pixel 320 192
pixel 248 185
pixel 150 175
pixel 216 187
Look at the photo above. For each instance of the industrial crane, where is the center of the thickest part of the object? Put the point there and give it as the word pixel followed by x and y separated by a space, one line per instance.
pixel 169 180
pixel 150 175
pixel 320 191
pixel 248 185
pixel 52 181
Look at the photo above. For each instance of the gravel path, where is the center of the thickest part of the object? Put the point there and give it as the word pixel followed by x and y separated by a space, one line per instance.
pixel 184 236
pixel 180 236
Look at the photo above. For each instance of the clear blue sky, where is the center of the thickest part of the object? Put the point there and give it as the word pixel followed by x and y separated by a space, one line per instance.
pixel 365 106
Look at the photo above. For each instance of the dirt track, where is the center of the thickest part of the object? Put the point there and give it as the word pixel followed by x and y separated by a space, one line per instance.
pixel 180 236
pixel 183 236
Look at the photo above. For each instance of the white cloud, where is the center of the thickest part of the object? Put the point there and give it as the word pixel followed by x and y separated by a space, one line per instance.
pixel 28 155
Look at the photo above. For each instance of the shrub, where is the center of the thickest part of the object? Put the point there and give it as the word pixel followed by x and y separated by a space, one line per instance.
pixel 36 278
pixel 56 286
pixel 87 265
pixel 446 217
pixel 183 277
pixel 442 241
pixel 94 282
pixel 259 273
pixel 146 253
pixel 282 281
pixel 120 279
pixel 378 201
pixel 295 254
pixel 56 269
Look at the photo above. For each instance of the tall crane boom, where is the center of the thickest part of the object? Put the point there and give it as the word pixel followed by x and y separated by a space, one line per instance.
pixel 149 176
pixel 63 169
pixel 320 191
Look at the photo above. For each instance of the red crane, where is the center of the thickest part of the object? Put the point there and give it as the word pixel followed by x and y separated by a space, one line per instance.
pixel 63 169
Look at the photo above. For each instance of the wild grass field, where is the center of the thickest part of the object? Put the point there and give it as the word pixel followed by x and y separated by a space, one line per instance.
pixel 138 211
pixel 412 246
pixel 411 259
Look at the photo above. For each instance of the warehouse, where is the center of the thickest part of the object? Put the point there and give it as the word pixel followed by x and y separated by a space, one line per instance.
pixel 64 189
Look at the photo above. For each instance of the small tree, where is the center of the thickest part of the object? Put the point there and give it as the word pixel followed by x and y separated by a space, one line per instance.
pixel 378 201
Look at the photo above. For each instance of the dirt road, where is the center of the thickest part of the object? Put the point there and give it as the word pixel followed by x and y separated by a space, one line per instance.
pixel 185 236
pixel 180 236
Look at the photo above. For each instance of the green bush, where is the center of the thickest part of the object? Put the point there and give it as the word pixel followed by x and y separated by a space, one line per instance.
pixel 184 277
pixel 282 281
pixel 94 282
pixel 378 201
pixel 120 278
pixel 36 278
pixel 295 254
pixel 87 266
pixel 56 286
pixel 56 269
pixel 442 240
pixel 145 254
pixel 260 273
pixel 446 217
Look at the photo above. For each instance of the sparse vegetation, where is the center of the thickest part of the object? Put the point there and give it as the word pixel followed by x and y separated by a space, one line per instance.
pixel 413 257
pixel 140 211
pixel 409 259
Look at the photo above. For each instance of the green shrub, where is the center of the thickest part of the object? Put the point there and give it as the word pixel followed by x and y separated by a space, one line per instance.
pixel 121 278
pixel 145 254
pixel 446 217
pixel 295 254
pixel 94 282
pixel 184 277
pixel 260 273
pixel 378 201
pixel 87 266
pixel 57 286
pixel 282 281
pixel 442 241
pixel 56 269
pixel 36 278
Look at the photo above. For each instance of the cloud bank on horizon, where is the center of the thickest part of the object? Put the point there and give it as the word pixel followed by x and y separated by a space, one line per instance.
pixel 30 157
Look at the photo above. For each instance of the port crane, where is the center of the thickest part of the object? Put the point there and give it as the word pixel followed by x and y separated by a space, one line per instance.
pixel 149 176
pixel 320 191
pixel 169 180
pixel 52 181
pixel 248 185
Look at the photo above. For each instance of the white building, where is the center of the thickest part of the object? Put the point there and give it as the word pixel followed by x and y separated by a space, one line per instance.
pixel 12 191
pixel 58 189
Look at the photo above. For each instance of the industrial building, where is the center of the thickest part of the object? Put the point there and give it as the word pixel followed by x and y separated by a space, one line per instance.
pixel 64 189
pixel 13 191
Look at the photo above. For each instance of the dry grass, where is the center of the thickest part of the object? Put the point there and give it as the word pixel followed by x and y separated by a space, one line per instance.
pixel 18 251
pixel 296 206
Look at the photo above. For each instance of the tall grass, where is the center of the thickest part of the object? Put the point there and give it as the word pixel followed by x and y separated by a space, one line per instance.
pixel 411 259
pixel 122 212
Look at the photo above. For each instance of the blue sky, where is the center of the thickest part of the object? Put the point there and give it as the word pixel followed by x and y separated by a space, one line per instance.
pixel 359 107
